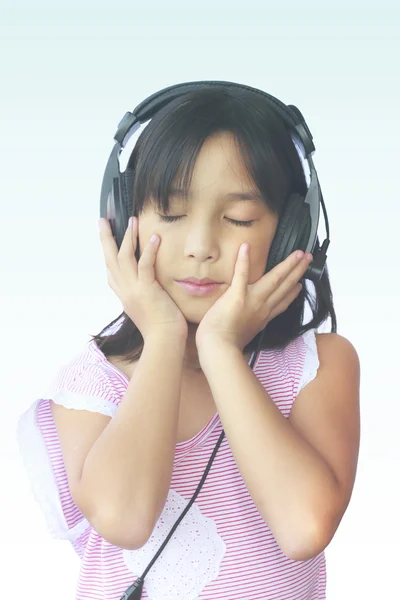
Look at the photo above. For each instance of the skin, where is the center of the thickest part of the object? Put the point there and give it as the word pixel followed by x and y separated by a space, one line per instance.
pixel 203 243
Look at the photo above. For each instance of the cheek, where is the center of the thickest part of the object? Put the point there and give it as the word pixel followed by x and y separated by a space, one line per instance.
pixel 162 267
pixel 258 263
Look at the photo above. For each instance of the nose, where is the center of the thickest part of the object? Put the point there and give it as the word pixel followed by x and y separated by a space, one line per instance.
pixel 201 243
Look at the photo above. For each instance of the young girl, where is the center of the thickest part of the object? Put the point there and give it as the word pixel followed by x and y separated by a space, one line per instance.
pixel 117 448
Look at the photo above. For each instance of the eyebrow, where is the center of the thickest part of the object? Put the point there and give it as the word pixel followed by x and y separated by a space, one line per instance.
pixel 242 196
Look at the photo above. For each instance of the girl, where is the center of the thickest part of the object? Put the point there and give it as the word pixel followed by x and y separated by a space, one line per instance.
pixel 128 427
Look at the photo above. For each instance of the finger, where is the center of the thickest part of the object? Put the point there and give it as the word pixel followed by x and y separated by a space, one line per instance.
pixel 110 249
pixel 295 274
pixel 146 270
pixel 292 280
pixel 241 273
pixel 286 267
pixel 286 302
pixel 126 255
pixel 129 241
pixel 278 282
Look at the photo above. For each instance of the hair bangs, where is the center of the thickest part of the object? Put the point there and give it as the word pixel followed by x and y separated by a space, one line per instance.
pixel 166 151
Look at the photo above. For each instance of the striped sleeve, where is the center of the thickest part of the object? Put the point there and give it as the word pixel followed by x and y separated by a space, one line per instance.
pixel 85 387
pixel 81 386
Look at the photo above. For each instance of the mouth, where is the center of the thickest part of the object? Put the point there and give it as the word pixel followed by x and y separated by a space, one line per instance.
pixel 198 290
pixel 197 281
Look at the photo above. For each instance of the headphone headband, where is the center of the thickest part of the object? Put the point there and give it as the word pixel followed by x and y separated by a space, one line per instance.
pixel 151 105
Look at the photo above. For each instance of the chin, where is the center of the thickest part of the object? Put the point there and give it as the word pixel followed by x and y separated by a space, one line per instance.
pixel 193 318
pixel 192 315
pixel 193 308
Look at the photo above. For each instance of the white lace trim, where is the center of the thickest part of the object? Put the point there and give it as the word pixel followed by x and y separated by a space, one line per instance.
pixel 84 402
pixel 40 473
pixel 311 361
pixel 190 560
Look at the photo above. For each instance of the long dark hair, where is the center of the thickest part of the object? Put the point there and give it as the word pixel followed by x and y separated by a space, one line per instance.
pixel 168 147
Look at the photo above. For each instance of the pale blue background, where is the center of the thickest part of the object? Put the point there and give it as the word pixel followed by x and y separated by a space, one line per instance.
pixel 69 72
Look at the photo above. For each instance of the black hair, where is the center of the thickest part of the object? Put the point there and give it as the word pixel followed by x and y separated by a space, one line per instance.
pixel 167 149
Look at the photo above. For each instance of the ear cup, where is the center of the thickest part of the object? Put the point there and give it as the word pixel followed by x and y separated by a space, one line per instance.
pixel 126 187
pixel 292 232
pixel 126 179
pixel 116 212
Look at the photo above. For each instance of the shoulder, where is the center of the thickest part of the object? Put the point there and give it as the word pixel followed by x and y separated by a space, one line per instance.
pixel 337 348
pixel 332 392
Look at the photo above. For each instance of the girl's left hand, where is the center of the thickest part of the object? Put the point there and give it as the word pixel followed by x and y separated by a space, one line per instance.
pixel 245 309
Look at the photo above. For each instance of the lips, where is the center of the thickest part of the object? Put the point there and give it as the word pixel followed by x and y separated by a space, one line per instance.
pixel 198 290
pixel 195 281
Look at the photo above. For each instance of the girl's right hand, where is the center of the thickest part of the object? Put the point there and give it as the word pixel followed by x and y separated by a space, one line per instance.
pixel 144 300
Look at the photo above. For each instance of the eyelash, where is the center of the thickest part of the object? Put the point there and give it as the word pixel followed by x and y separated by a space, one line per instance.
pixel 238 223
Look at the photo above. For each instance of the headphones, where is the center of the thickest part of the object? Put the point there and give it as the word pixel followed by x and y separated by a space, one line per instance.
pixel 297 227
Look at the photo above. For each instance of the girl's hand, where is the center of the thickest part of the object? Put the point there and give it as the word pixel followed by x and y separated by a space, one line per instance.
pixel 144 300
pixel 244 310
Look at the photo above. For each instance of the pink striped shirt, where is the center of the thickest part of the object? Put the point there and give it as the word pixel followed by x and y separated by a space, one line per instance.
pixel 223 549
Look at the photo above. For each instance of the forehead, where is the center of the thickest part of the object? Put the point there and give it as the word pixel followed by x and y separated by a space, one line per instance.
pixel 219 172
pixel 247 195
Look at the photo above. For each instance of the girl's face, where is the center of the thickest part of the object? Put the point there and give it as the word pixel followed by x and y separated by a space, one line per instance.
pixel 203 242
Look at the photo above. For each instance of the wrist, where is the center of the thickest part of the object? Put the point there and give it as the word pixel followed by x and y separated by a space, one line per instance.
pixel 169 336
pixel 212 345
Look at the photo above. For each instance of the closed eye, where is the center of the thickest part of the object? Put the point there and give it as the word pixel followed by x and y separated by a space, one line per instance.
pixel 238 223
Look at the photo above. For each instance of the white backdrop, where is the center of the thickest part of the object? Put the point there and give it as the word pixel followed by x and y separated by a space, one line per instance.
pixel 69 72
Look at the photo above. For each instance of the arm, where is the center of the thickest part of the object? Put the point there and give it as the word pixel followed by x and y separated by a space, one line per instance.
pixel 285 476
pixel 129 467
